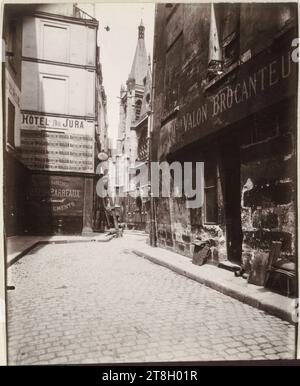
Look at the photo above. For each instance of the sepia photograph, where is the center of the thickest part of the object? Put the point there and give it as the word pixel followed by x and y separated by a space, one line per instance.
pixel 149 200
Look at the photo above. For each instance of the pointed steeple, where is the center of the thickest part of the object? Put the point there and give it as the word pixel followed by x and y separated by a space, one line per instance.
pixel 140 62
pixel 146 103
pixel 141 34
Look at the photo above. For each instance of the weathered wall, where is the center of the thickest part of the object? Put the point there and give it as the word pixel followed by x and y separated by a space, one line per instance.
pixel 259 24
pixel 267 200
pixel 77 99
pixel 180 60
pixel 268 182
pixel 75 43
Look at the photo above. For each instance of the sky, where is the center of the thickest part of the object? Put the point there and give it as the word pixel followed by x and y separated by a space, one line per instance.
pixel 117 47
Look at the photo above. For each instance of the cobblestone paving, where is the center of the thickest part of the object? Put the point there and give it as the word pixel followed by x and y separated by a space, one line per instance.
pixel 98 303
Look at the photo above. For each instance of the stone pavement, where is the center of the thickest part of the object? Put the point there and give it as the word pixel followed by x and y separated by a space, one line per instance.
pixel 221 280
pixel 100 303
pixel 18 246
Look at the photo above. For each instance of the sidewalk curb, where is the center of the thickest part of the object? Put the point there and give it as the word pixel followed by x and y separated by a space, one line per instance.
pixel 45 242
pixel 244 298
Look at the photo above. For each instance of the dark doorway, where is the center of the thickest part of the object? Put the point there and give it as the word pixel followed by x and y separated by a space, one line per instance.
pixel 231 164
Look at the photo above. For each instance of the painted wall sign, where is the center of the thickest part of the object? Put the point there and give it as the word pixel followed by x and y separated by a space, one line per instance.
pixel 56 195
pixel 31 121
pixel 264 80
pixel 44 150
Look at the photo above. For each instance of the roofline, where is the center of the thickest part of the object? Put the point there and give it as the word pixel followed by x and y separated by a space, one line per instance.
pixel 71 19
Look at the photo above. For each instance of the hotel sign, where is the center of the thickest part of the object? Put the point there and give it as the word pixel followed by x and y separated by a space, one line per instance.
pixel 68 152
pixel 57 144
pixel 262 81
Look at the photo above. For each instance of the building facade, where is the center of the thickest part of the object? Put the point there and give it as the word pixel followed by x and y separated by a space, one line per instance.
pixel 225 93
pixel 58 130
pixel 15 173
pixel 132 142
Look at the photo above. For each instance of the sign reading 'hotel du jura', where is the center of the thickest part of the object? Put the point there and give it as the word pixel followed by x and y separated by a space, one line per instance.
pixel 57 143
pixel 50 122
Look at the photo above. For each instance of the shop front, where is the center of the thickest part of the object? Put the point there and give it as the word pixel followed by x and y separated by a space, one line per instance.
pixel 55 204
pixel 243 127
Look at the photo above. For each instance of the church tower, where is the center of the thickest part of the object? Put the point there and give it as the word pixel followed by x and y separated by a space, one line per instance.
pixel 131 98
pixel 132 119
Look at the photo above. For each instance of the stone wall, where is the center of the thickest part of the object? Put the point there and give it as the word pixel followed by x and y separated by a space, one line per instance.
pixel 268 184
pixel 265 141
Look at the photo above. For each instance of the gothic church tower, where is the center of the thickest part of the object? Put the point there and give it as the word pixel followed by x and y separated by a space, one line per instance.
pixel 131 99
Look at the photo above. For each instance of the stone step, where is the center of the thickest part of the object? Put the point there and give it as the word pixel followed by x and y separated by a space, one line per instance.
pixel 229 266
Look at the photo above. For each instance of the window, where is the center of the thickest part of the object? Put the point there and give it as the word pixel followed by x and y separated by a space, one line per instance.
pixel 210 193
pixel 11 44
pixel 261 126
pixel 54 94
pixel 138 106
pixel 55 42
pixel 11 113
pixel 231 33
pixel 143 145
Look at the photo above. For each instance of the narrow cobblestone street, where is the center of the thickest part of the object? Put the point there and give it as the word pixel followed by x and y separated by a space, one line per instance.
pixel 100 303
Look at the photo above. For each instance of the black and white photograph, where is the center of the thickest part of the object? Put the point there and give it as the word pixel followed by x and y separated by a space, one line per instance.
pixel 149 183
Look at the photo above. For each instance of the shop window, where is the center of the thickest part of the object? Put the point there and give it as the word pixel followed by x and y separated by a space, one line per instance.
pixel 260 127
pixel 54 94
pixel 210 193
pixel 11 114
pixel 266 126
pixel 55 42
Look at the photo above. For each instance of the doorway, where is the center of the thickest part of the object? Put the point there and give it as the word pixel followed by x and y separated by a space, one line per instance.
pixel 232 202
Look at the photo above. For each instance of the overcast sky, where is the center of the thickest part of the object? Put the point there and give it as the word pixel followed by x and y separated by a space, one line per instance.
pixel 117 46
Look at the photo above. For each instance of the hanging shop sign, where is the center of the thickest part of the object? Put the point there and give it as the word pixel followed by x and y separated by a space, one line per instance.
pixel 262 81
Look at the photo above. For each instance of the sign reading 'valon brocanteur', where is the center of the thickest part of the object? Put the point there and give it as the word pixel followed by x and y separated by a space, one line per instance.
pixel 265 79
pixel 254 84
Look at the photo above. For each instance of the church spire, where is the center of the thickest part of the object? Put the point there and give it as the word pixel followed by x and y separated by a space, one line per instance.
pixel 141 34
pixel 140 62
